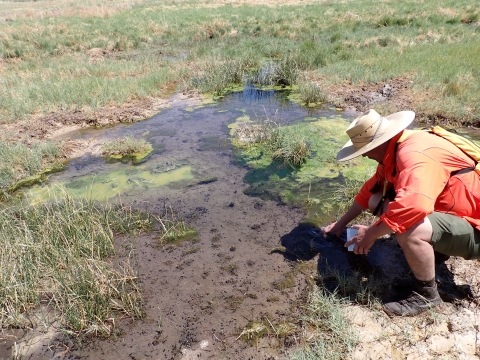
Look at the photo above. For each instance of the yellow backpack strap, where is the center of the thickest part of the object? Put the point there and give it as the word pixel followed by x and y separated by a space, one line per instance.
pixel 406 133
pixel 467 146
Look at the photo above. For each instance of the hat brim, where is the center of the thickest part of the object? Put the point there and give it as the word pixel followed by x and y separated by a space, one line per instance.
pixel 399 121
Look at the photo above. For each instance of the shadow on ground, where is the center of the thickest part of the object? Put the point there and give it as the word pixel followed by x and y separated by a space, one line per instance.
pixel 385 262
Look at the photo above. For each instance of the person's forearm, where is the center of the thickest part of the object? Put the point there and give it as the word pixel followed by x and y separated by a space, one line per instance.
pixel 355 210
pixel 375 231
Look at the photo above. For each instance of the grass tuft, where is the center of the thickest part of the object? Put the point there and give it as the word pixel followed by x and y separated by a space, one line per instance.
pixel 329 332
pixel 126 146
pixel 173 229
pixel 19 161
pixel 361 289
pixel 284 144
pixel 312 94
pixel 60 253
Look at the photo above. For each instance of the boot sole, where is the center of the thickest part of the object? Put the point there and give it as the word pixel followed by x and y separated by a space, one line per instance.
pixel 429 307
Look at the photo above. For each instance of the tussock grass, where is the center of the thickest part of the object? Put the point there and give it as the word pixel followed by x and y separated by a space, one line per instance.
pixel 293 151
pixel 19 161
pixel 312 94
pixel 284 144
pixel 329 332
pixel 215 76
pixel 60 254
pixel 126 146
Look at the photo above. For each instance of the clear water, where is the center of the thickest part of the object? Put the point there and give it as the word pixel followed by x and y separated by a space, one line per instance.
pixel 182 137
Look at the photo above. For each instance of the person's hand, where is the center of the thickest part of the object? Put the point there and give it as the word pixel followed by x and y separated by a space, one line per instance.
pixel 334 228
pixel 363 242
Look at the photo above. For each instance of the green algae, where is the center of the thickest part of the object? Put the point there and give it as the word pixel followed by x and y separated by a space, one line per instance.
pixel 120 182
pixel 239 122
pixel 135 158
pixel 207 100
pixel 37 178
pixel 314 183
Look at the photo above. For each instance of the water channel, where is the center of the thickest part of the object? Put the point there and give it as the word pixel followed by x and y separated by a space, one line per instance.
pixel 184 138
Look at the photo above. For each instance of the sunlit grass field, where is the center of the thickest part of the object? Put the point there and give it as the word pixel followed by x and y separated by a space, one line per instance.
pixel 60 55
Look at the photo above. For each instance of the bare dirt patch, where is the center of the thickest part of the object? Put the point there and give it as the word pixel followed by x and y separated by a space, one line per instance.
pixel 393 95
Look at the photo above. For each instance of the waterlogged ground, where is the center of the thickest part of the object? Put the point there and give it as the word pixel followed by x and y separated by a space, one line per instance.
pixel 255 257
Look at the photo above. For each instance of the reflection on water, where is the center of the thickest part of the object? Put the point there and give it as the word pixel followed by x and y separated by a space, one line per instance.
pixel 251 94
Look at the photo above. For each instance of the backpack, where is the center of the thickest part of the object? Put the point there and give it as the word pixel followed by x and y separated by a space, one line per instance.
pixel 467 146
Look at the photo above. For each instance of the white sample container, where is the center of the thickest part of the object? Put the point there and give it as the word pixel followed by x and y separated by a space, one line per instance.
pixel 351 232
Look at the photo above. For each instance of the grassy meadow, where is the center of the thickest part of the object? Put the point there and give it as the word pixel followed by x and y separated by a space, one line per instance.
pixel 59 56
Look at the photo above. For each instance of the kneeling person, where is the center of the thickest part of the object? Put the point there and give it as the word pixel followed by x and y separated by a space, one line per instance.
pixel 434 202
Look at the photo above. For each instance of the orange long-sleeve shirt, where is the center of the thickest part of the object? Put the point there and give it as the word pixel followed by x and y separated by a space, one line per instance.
pixel 423 181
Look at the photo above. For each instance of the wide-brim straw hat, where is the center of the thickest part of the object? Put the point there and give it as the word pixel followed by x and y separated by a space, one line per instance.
pixel 371 130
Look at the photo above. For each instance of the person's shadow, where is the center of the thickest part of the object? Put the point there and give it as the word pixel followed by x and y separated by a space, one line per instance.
pixel 384 268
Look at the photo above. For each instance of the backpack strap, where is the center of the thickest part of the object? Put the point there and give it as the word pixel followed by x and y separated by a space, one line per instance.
pixel 382 200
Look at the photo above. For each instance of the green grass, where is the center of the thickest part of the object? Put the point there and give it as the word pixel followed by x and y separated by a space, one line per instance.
pixel 312 94
pixel 284 144
pixel 330 334
pixel 127 148
pixel 172 229
pixel 150 49
pixel 21 162
pixel 358 288
pixel 59 254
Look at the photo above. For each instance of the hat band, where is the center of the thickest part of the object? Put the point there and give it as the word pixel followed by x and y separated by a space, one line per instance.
pixel 358 141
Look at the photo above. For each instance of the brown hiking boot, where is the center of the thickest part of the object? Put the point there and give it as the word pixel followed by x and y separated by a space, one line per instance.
pixel 423 298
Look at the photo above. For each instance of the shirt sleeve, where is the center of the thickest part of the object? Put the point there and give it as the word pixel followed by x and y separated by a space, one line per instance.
pixel 364 194
pixel 420 181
